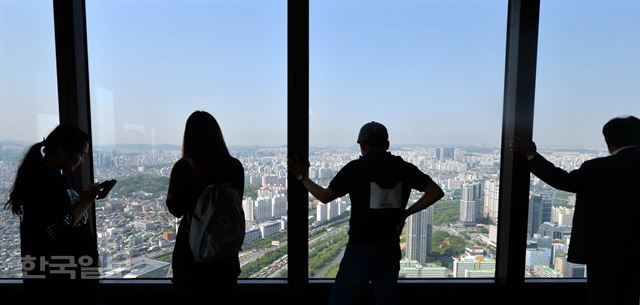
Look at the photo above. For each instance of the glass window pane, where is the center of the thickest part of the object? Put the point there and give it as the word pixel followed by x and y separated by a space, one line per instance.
pixel 28 103
pixel 433 73
pixel 152 64
pixel 588 73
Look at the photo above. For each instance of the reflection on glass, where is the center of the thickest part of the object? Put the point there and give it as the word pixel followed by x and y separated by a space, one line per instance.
pixel 28 104
pixel 182 57
pixel 433 73
pixel 588 72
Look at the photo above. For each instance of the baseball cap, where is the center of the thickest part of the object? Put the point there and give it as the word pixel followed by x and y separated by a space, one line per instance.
pixel 373 130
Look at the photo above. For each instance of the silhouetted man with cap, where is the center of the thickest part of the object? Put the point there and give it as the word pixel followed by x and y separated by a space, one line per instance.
pixel 605 222
pixel 379 185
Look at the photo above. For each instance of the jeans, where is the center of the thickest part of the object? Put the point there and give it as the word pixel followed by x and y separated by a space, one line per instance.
pixel 361 264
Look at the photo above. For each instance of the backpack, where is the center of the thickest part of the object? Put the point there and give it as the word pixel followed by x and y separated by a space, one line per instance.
pixel 216 226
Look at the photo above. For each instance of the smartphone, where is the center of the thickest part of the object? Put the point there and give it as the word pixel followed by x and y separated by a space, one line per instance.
pixel 105 187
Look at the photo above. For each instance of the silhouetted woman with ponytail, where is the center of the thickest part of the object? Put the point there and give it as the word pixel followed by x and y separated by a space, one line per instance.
pixel 55 239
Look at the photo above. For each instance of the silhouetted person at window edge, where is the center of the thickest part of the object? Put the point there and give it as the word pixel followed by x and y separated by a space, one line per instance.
pixel 605 221
pixel 56 243
pixel 379 185
pixel 205 160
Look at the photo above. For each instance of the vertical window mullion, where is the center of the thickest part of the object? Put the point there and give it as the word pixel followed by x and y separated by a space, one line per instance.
pixel 519 91
pixel 73 80
pixel 298 138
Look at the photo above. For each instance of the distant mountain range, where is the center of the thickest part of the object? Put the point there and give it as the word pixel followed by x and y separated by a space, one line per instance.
pixel 146 147
pixel 19 146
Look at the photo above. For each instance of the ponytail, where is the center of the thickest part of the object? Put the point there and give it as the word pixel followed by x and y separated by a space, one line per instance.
pixel 65 136
pixel 21 184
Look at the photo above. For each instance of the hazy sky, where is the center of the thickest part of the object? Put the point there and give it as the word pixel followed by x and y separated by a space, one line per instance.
pixel 432 71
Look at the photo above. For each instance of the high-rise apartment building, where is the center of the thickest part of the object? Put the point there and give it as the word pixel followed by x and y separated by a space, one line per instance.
pixel 569 269
pixel 321 212
pixel 470 203
pixel 491 194
pixel 248 207
pixel 537 257
pixel 419 235
pixel 539 212
pixel 444 153
pixel 562 216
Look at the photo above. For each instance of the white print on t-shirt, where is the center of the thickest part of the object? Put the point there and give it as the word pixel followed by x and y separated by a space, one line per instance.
pixel 381 198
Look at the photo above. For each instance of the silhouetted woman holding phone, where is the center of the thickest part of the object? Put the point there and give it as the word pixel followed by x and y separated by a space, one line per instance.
pixel 205 160
pixel 56 242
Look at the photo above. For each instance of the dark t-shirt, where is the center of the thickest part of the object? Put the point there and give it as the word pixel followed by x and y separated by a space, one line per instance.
pixel 379 185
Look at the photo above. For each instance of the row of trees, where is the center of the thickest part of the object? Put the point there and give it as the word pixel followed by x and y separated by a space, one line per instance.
pixel 325 252
pixel 249 269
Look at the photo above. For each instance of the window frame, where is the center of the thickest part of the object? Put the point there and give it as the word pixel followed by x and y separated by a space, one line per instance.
pixel 519 96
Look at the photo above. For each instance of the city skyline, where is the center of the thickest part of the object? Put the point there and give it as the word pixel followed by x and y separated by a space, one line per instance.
pixel 312 148
pixel 135 229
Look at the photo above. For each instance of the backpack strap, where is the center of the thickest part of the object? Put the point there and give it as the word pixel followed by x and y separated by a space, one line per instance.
pixel 199 179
